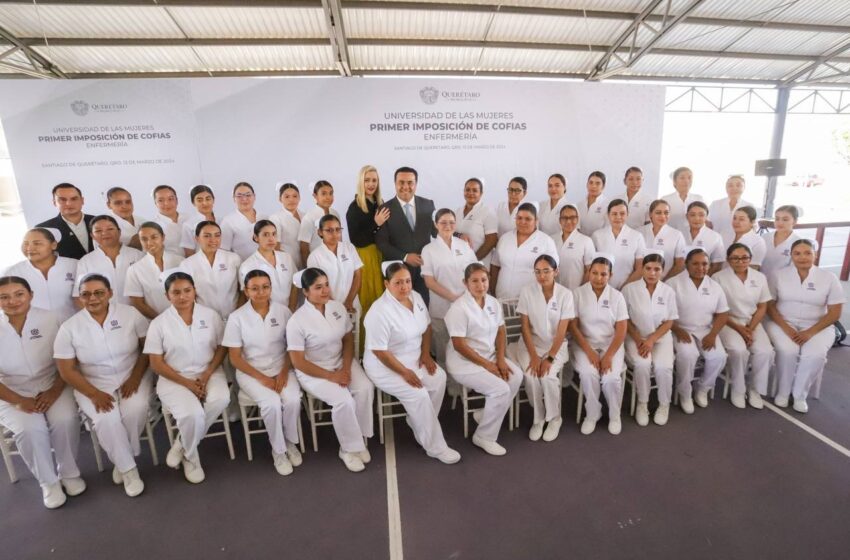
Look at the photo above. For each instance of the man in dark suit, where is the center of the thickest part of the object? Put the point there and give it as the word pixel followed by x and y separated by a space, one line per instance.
pixel 71 222
pixel 409 227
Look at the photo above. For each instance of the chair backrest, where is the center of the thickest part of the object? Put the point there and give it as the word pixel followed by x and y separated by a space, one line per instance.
pixel 355 319
pixel 513 326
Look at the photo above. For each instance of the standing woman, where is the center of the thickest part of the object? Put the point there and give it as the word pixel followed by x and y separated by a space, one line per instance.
pixel 649 347
pixel 575 250
pixel 214 271
pixel 398 359
pixel 545 310
pixel 476 355
pixel 681 200
pixel 278 264
pixel 703 312
pixel 50 276
pixel 35 404
pixel 743 336
pixel 110 258
pixel 256 337
pixel 99 353
pixel 185 351
pixel 659 236
pixel 550 209
pixel 597 345
pixel 743 224
pixel 288 222
pixel 721 211
pixel 778 242
pixel 144 286
pixel 237 228
pixel 698 234
pixel 120 204
pixel 340 260
pixel 637 200
pixel 308 235
pixel 622 242
pixel 203 199
pixel 807 300
pixel 171 221
pixel 512 267
pixel 321 346
pixel 506 211
pixel 592 206
pixel 477 221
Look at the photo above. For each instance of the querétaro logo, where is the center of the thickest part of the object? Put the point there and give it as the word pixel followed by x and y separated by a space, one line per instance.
pixel 80 108
pixel 429 95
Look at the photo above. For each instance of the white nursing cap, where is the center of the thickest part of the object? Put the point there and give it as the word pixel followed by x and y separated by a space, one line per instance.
pixel 57 235
pixel 386 264
pixel 607 256
pixel 163 276
pixel 262 266
pixel 296 278
pixel 653 252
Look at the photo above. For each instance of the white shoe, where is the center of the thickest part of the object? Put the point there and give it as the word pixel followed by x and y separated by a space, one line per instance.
pixel 738 400
pixel 615 426
pixel 755 399
pixel 175 454
pixel 477 415
pixel 294 454
pixel 781 402
pixel 801 406
pixel 536 431
pixel 352 461
pixel 192 470
pixel 365 456
pixel 73 486
pixel 53 495
pixel 133 485
pixel 116 476
pixel 282 464
pixel 449 456
pixel 552 429
pixel 687 406
pixel 661 414
pixel 701 397
pixel 490 447
pixel 588 426
pixel 642 414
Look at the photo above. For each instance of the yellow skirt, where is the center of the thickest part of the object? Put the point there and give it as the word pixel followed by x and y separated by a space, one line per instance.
pixel 372 283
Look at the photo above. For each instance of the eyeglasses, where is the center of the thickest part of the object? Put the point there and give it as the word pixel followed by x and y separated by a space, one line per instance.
pixel 333 230
pixel 514 190
pixel 97 293
pixel 745 258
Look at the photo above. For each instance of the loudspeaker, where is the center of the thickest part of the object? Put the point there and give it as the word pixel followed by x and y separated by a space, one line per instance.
pixel 770 167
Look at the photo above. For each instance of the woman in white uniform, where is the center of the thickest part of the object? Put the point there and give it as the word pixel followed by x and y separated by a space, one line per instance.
pixel 698 234
pixel 622 242
pixel 256 337
pixel 512 266
pixel 99 353
pixel 575 250
pixel 659 236
pixel 144 285
pixel 477 221
pixel 308 234
pixel 35 404
pixel 592 207
pixel 237 228
pixel 475 357
pixel 168 218
pixel 778 242
pixel 638 201
pixel 320 340
pixel 185 351
pixel 680 201
pixel 721 210
pixel 203 199
pixel 703 312
pixel 506 211
pixel 744 337
pixel 110 258
pixel 807 300
pixel 549 210
pixel 596 349
pixel 649 347
pixel 119 201
pixel 398 359
pixel 215 272
pixel 545 310
pixel 339 260
pixel 50 276
pixel 743 222
pixel 444 261
pixel 288 222
pixel 279 263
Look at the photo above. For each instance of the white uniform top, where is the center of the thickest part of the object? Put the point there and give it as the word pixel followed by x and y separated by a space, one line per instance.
pixel 391 327
pixel 721 216
pixel 543 315
pixel 710 241
pixel 217 286
pixel 679 210
pixel 477 325
pixel 804 303
pixel 669 241
pixel 574 255
pixel 237 234
pixel 308 232
pixel 106 353
pixel 128 230
pixel 263 341
pixel 776 256
pixel 638 209
pixel 593 218
pixel 517 263
pixel 54 293
pixel 752 240
pixel 598 317
pixel 507 220
pixel 143 280
pixel 173 232
pixel 479 222
pixel 98 262
pixel 319 335
pixel 187 236
pixel 339 267
pixel 188 349
pixel 281 278
pixel 697 305
pixel 27 367
pixel 646 311
pixel 626 248
pixel 446 265
pixel 548 221
pixel 743 297
pixel 287 233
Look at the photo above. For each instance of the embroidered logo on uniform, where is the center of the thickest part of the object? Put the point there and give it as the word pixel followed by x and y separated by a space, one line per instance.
pixel 34 334
pixel 274 322
pixel 659 243
pixel 753 284
pixel 659 300
pixel 202 324
pixel 786 252
pixel 605 303
pixel 699 243
pixel 598 209
pixel 343 257
pixel 491 311
pixel 222 267
pixel 810 286
pixel 419 307
pixel 554 306
pixel 336 315
pixel 570 245
pixel 705 291
pixel 624 242
pixel 534 250
pixel 283 268
pixel 114 324
pixel 69 277
pixel 458 253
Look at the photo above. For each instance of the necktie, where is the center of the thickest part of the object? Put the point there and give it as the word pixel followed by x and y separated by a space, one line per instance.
pixel 408 212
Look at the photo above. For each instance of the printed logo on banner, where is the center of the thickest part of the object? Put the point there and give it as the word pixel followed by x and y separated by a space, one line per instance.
pixel 429 95
pixel 80 108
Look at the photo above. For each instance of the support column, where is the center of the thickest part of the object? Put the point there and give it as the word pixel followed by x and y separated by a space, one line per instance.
pixel 776 146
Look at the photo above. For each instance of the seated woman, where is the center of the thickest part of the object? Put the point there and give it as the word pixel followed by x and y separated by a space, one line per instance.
pixel 476 355
pixel 143 285
pixel 256 337
pixel 320 341
pixel 545 309
pixel 512 266
pixel 622 242
pixel 807 300
pixel 597 344
pixel 279 265
pixel 744 338
pixel 575 250
pixel 214 271
pixel 703 312
pixel 743 232
pixel 398 359
pixel 649 347
pixel 99 353
pixel 339 260
pixel 35 404
pixel 184 348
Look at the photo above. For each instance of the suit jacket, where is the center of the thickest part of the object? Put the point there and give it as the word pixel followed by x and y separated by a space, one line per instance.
pixel 395 239
pixel 70 245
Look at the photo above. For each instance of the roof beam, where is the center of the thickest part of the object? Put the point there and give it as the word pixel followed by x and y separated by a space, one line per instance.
pixel 804 75
pixel 40 66
pixel 336 32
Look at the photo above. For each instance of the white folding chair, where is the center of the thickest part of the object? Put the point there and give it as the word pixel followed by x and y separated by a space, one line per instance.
pixel 630 379
pixel 697 369
pixel 8 449
pixel 171 430
pixel 249 413
pixel 388 407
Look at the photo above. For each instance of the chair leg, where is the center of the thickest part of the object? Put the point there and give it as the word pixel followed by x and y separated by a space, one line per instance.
pixel 169 426
pixel 243 416
pixel 98 457
pixel 301 435
pixel 465 404
pixel 227 436
pixel 151 443
pixel 727 382
pixel 380 407
pixel 634 395
pixel 312 415
pixel 7 458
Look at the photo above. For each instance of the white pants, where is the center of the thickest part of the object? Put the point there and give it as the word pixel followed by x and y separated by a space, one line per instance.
pixel 118 430
pixel 194 418
pixel 687 354
pixel 36 434
pixel 499 393
pixel 658 363
pixel 280 411
pixel 351 407
pixel 592 384
pixel 759 356
pixel 797 367
pixel 544 393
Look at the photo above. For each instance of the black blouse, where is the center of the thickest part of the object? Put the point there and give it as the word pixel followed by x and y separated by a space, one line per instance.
pixel 361 225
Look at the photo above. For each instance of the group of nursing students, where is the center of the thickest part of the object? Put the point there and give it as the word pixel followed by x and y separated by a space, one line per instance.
pixel 196 310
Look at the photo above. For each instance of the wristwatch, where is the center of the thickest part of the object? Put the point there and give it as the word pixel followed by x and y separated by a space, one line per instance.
pixel 549 359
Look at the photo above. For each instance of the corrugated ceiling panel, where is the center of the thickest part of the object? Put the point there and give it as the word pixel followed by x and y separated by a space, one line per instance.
pixel 802 11
pixel 432 24
pixel 607 5
pixel 797 42
pixel 700 37
pixel 251 22
pixel 661 65
pixel 259 58
pixel 123 59
pixel 536 60
pixel 553 29
pixel 405 58
pixel 87 21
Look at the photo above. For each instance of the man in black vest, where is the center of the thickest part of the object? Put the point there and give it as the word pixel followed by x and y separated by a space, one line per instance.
pixel 71 222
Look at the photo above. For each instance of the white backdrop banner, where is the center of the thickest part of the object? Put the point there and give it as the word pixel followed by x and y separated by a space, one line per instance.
pixel 142 133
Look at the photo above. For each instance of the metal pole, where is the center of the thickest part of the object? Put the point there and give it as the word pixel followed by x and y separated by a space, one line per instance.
pixel 776 146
